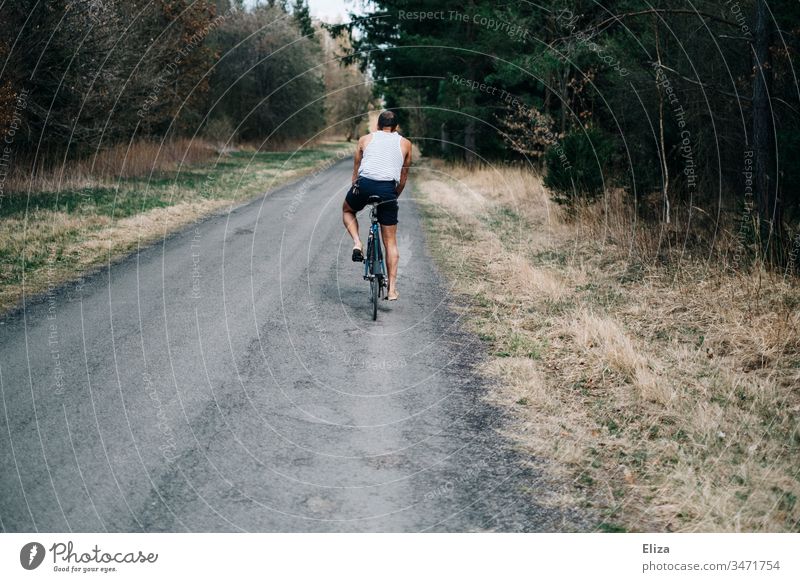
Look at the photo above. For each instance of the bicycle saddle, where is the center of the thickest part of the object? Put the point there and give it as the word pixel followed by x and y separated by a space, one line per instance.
pixel 373 199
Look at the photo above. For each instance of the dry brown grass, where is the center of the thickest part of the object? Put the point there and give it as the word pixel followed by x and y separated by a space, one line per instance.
pixel 105 167
pixel 669 397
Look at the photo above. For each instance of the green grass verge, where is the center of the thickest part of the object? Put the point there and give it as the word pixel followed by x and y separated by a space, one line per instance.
pixel 41 241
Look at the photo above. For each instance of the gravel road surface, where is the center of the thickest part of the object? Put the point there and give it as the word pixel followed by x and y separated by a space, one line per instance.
pixel 230 378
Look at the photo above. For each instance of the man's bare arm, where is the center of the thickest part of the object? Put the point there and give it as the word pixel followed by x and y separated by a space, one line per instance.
pixel 357 158
pixel 406 145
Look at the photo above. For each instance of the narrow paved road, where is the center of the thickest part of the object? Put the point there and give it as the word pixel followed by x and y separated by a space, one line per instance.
pixel 230 378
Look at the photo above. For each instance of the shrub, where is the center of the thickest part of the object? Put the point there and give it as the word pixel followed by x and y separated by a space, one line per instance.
pixel 577 167
pixel 220 131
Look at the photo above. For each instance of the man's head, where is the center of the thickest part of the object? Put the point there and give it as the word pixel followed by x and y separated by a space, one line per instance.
pixel 387 119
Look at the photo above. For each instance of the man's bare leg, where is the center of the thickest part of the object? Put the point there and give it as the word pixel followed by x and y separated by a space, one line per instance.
pixel 389 234
pixel 351 224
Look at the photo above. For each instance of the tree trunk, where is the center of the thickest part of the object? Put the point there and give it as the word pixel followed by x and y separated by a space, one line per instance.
pixel 564 83
pixel 444 142
pixel 469 141
pixel 662 147
pixel 764 183
pixel 469 130
pixel 547 94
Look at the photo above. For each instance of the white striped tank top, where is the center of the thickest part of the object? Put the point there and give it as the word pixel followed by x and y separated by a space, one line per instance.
pixel 383 158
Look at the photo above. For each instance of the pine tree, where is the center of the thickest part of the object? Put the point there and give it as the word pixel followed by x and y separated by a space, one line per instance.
pixel 302 16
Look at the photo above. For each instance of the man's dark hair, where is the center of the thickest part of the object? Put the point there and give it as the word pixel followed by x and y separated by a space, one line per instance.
pixel 387 119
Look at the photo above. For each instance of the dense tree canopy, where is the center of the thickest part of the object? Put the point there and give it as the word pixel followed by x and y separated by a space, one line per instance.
pixel 684 105
pixel 268 77
pixel 81 74
pixel 692 109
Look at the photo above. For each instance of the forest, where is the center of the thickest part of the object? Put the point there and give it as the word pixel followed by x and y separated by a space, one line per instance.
pixel 688 110
pixel 80 76
pixel 687 113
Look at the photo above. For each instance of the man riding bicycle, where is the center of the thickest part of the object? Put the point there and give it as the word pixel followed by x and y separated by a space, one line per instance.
pixel 380 169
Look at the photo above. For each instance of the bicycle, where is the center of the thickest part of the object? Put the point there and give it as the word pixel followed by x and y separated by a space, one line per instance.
pixel 374 268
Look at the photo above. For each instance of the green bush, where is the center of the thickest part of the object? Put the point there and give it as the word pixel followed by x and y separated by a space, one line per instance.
pixel 220 131
pixel 578 165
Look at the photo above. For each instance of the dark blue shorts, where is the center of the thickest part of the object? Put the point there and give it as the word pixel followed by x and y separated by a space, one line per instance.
pixel 387 208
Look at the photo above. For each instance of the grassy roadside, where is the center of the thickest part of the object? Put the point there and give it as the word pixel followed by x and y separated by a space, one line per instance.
pixel 668 398
pixel 72 223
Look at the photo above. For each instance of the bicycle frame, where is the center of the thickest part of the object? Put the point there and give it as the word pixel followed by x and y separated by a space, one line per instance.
pixel 373 261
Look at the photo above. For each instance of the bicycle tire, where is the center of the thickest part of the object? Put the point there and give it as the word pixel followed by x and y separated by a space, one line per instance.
pixel 374 286
pixel 377 274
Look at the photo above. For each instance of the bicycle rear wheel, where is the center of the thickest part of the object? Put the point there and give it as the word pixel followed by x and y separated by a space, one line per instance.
pixel 374 288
